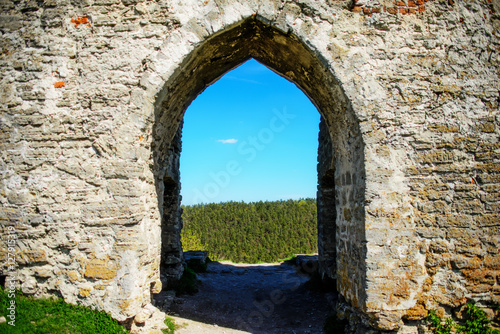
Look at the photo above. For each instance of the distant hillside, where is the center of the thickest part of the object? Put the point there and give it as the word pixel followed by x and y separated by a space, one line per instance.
pixel 251 232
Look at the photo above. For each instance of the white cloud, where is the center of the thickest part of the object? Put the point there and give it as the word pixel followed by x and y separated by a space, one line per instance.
pixel 228 141
pixel 236 78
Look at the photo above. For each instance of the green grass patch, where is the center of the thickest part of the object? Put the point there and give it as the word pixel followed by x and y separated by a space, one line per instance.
pixel 171 326
pixel 50 315
pixel 475 321
pixel 437 325
pixel 292 259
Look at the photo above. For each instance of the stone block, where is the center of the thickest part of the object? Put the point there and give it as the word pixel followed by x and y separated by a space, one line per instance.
pixel 85 291
pixel 430 233
pixel 488 127
pixel 490 197
pixel 438 260
pixel 466 262
pixel 417 312
pixel 481 276
pixel 455 221
pixel 100 269
pixel 468 206
pixel 488 167
pixel 31 256
pixel 106 2
pixel 439 246
pixel 10 22
pixel 492 262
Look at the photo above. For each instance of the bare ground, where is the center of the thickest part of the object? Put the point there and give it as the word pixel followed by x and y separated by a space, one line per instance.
pixel 263 298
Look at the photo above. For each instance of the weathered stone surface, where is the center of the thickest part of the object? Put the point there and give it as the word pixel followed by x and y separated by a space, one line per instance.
pixel 408 158
pixel 100 269
pixel 32 256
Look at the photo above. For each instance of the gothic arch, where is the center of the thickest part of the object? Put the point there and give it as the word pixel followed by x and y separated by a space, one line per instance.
pixel 341 172
pixel 408 145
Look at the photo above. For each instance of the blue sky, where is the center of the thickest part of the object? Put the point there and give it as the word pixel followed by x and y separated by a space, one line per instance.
pixel 250 136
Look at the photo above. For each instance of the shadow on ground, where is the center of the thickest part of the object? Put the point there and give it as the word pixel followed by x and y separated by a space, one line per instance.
pixel 264 298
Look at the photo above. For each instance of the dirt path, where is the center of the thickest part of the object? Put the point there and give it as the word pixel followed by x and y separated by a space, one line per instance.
pixel 188 326
pixel 264 298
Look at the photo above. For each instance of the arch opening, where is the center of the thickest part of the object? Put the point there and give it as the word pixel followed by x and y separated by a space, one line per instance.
pixel 249 144
pixel 251 136
pixel 341 175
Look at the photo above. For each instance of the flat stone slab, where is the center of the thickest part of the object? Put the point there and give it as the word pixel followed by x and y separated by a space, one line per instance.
pixel 196 256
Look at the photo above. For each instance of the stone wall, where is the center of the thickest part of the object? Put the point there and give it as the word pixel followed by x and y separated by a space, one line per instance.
pixel 327 211
pixel 93 94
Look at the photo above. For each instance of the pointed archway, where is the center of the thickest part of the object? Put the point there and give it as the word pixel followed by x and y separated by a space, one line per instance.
pixel 341 173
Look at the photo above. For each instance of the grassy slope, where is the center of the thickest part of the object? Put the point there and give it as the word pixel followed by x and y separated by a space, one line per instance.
pixel 54 316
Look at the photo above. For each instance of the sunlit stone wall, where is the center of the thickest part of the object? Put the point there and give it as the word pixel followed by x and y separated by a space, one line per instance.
pixel 93 93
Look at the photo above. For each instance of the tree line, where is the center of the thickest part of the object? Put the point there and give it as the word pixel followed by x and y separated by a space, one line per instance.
pixel 251 232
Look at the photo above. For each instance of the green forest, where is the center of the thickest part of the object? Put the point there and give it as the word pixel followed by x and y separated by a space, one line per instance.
pixel 251 232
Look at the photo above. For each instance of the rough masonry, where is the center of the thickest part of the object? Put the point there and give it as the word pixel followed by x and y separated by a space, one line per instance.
pixel 93 94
